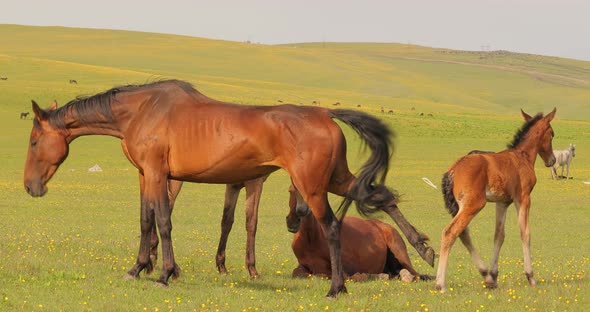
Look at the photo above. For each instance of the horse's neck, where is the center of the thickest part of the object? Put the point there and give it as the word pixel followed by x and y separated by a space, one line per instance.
pixel 101 126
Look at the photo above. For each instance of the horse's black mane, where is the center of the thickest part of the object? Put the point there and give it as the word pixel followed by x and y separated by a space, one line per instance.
pixel 97 107
pixel 519 136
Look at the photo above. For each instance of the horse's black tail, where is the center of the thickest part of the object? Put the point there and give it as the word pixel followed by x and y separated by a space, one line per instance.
pixel 447 190
pixel 369 191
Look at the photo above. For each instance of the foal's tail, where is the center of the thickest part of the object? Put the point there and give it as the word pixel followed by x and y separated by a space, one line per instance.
pixel 369 191
pixel 447 190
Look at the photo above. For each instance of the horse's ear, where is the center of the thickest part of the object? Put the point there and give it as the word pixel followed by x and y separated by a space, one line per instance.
pixel 526 116
pixel 53 105
pixel 550 116
pixel 39 113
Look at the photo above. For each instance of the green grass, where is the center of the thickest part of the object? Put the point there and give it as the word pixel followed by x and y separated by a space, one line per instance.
pixel 70 249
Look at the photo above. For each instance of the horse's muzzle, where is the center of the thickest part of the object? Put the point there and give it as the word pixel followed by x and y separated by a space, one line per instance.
pixel 35 189
pixel 551 162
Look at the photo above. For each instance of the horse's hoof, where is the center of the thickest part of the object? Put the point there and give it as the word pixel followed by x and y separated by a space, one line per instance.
pixel 406 276
pixel 332 294
pixel 440 288
pixel 159 284
pixel 130 277
pixel 429 256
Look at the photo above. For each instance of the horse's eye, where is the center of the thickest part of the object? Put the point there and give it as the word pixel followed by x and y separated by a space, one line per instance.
pixel 33 143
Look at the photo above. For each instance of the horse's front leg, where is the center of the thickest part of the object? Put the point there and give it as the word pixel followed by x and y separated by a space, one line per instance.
pixel 147 224
pixel 174 187
pixel 522 209
pixel 156 197
pixel 227 220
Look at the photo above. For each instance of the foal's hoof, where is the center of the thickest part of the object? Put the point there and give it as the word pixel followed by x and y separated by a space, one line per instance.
pixel 490 281
pixel 440 288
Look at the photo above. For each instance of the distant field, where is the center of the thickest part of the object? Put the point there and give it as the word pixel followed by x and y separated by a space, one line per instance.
pixel 70 249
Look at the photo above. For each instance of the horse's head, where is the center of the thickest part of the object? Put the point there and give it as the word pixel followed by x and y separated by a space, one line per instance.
pixel 48 148
pixel 297 209
pixel 573 149
pixel 545 131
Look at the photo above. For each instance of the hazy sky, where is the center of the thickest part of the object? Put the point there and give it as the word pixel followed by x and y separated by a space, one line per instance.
pixel 548 27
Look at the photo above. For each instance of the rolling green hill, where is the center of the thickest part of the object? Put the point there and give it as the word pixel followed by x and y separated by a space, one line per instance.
pixel 373 75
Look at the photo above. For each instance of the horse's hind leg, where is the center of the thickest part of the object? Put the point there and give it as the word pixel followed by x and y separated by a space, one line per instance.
pixel 398 249
pixel 341 183
pixel 416 238
pixel 232 191
pixel 492 278
pixel 174 187
pixel 321 210
pixel 253 192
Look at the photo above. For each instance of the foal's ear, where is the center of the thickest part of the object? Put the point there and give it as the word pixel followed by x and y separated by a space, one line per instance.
pixel 40 114
pixel 550 116
pixel 526 116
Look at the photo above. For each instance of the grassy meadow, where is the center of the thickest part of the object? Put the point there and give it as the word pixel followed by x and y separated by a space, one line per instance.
pixel 70 249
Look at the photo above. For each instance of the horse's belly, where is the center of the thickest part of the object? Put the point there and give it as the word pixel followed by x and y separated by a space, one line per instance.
pixel 221 175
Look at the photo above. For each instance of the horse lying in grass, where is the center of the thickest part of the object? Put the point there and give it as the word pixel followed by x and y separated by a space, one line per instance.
pixel 563 159
pixel 504 178
pixel 371 247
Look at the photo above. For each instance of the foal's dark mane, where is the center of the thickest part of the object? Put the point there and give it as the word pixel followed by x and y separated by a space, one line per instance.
pixel 93 108
pixel 522 132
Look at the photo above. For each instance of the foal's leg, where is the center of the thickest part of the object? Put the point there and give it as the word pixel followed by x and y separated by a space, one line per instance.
pixel 467 211
pixel 466 240
pixel 174 187
pixel 492 278
pixel 253 192
pixel 229 207
pixel 522 209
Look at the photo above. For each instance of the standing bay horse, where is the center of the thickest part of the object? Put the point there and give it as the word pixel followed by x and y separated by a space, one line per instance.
pixel 371 247
pixel 504 178
pixel 171 132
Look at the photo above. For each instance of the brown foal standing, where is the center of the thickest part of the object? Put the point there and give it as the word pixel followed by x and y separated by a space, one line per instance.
pixel 504 178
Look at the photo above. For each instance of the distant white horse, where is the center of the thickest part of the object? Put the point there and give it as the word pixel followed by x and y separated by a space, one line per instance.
pixel 563 158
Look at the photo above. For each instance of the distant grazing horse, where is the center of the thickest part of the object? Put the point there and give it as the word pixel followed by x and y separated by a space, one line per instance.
pixel 372 247
pixel 24 115
pixel 503 178
pixel 73 81
pixel 562 159
pixel 3 78
pixel 171 132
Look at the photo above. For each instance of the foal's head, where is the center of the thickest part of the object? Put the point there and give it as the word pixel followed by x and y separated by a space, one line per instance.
pixel 298 209
pixel 543 130
pixel 48 148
